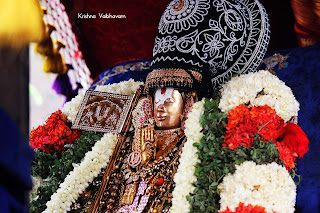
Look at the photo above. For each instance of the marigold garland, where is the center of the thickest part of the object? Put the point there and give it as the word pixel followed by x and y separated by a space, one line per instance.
pixel 54 134
pixel 258 89
pixel 246 209
pixel 245 122
pixel 286 155
pixel 217 160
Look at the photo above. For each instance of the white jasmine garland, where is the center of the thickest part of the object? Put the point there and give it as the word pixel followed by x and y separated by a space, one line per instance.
pixel 185 174
pixel 244 89
pixel 71 108
pixel 268 185
pixel 79 179
pixel 124 87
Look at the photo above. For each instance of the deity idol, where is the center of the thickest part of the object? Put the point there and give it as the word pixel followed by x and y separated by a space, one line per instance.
pixel 199 45
pixel 142 179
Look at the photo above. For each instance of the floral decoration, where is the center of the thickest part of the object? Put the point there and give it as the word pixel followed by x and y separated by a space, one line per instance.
pixel 257 136
pixel 295 138
pixel 124 87
pixel 55 168
pixel 288 156
pixel 258 89
pixel 294 143
pixel 245 122
pixel 54 134
pixel 79 179
pixel 71 108
pixel 243 133
pixel 246 209
pixel 268 185
pixel 184 178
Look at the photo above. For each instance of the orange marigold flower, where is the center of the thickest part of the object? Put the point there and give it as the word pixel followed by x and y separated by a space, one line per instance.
pixel 246 209
pixel 287 155
pixel 54 134
pixel 245 122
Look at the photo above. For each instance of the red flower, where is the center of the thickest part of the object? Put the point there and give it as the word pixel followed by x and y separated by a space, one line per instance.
pixel 246 209
pixel 294 143
pixel 286 155
pixel 54 134
pixel 239 128
pixel 245 122
pixel 295 139
pixel 270 125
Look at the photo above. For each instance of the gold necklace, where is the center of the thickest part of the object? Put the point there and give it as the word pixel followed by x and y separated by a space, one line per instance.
pixel 165 137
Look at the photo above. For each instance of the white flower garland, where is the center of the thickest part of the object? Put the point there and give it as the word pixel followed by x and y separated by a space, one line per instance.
pixel 269 186
pixel 78 180
pixel 245 88
pixel 71 108
pixel 185 174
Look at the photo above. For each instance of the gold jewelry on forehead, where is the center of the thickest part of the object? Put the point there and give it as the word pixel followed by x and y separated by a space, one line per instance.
pixel 171 78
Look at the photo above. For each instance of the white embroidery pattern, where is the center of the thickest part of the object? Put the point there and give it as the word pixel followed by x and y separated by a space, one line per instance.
pixel 188 16
pixel 233 43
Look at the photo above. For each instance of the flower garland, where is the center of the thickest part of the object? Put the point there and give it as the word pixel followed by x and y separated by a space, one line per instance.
pixel 77 180
pixel 54 134
pixel 124 87
pixel 71 108
pixel 272 141
pixel 245 122
pixel 184 178
pixel 258 89
pixel 269 186
pixel 213 143
pixel 245 209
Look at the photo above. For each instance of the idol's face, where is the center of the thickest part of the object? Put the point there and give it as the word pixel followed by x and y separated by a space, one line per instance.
pixel 168 107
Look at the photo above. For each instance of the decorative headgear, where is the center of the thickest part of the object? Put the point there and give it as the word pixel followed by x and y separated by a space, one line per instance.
pixel 207 41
